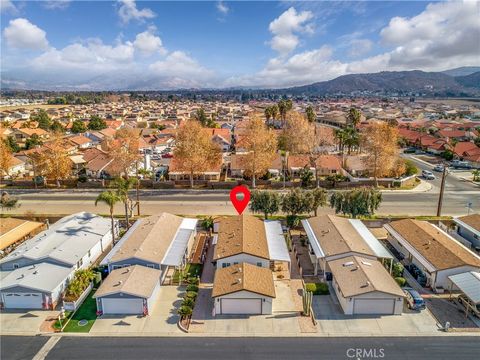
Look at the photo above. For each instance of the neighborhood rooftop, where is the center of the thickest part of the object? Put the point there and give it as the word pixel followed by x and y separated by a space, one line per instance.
pixel 156 238
pixel 471 222
pixel 434 245
pixel 134 280
pixel 333 235
pixel 241 234
pixel 243 276
pixel 42 277
pixel 356 275
pixel 66 241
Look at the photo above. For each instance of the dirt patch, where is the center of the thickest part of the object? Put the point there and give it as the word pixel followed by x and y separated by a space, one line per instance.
pixel 445 310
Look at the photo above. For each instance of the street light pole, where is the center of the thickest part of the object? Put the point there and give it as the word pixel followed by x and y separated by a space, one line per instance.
pixel 442 189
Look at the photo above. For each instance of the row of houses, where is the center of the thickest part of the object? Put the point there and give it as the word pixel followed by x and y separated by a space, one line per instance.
pixel 247 252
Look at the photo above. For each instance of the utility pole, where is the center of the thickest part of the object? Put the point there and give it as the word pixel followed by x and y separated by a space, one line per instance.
pixel 442 189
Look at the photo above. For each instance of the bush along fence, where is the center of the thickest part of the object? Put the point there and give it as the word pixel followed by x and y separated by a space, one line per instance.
pixel 75 304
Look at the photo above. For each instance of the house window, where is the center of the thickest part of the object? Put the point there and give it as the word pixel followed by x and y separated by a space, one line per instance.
pixel 235 263
pixel 16 266
pixel 224 265
pixel 152 266
pixel 89 253
pixel 79 263
pixel 259 264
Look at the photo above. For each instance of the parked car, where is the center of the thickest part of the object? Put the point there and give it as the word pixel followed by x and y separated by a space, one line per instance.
pixel 410 150
pixel 413 299
pixel 457 164
pixel 438 167
pixel 428 175
pixel 469 305
pixel 167 156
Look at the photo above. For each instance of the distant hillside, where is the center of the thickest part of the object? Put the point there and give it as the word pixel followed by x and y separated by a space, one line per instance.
pixel 400 82
pixel 462 71
pixel 472 80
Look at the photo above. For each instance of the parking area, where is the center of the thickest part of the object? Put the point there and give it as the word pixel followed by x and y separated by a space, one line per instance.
pixel 332 321
pixel 163 318
pixel 283 321
pixel 25 322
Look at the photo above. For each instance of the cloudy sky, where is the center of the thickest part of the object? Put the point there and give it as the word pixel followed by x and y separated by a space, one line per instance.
pixel 130 44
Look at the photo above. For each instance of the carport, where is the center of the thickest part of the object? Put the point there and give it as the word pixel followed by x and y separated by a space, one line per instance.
pixel 469 284
pixel 277 247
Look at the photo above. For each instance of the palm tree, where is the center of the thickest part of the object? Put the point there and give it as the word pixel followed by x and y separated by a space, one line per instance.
pixel 354 117
pixel 110 198
pixel 122 186
pixel 351 138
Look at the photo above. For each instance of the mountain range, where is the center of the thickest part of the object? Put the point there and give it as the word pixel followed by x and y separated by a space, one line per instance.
pixel 447 83
pixel 463 82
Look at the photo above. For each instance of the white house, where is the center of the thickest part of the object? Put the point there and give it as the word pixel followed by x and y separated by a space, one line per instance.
pixel 432 250
pixel 243 289
pixel 163 241
pixel 36 286
pixel 247 239
pixel 468 227
pixel 36 273
pixel 129 290
pixel 331 237
pixel 364 287
pixel 75 241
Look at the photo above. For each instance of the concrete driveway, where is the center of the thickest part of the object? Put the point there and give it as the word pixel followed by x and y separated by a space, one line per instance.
pixel 25 322
pixel 331 320
pixel 283 321
pixel 162 320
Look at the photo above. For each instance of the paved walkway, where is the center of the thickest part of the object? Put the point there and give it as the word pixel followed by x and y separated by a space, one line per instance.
pixel 204 303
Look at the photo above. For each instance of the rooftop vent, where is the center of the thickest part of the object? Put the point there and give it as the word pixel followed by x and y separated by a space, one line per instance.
pixel 366 263
pixel 350 263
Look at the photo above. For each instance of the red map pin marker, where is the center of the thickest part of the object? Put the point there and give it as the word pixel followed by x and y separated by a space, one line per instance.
pixel 240 204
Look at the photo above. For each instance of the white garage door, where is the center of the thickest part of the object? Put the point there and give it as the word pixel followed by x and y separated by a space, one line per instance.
pixel 23 300
pixel 122 306
pixel 374 306
pixel 241 306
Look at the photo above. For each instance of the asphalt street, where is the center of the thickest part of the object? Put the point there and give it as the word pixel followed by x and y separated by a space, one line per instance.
pixel 458 193
pixel 139 348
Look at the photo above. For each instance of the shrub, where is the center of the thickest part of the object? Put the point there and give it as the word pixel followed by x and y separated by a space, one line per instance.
pixel 400 281
pixel 191 295
pixel 317 288
pixel 83 178
pixel 397 270
pixel 185 311
pixel 188 302
pixel 193 280
pixel 293 221
pixel 192 288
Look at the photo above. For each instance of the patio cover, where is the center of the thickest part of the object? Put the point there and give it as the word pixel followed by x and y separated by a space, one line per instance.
pixel 379 250
pixel 277 247
pixel 469 283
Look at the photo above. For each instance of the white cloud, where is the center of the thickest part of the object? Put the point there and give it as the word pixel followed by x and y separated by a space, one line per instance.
pixel 56 4
pixel 444 34
pixel 179 64
pixel 148 43
pixel 8 6
pixel 91 57
pixel 359 47
pixel 222 7
pixel 128 11
pixel 285 29
pixel 22 34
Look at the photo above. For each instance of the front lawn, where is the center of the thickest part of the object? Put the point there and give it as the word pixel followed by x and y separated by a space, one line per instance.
pixel 87 311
